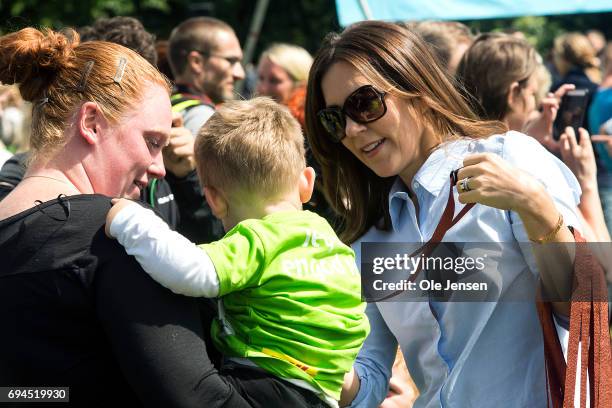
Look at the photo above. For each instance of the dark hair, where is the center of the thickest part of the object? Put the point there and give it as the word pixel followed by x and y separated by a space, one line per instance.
pixel 396 60
pixel 163 64
pixel 87 33
pixel 197 33
pixel 126 31
pixel 490 66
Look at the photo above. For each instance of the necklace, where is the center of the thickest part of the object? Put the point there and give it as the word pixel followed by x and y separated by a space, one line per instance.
pixel 48 177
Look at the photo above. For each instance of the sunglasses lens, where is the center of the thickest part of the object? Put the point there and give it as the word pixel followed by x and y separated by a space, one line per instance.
pixel 333 121
pixel 365 105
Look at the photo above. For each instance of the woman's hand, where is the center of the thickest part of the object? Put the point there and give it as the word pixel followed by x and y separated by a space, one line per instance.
pixel 495 183
pixel 579 157
pixel 400 395
pixel 541 126
pixel 402 390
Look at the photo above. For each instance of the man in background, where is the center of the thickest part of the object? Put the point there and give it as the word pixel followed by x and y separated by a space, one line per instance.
pixel 205 57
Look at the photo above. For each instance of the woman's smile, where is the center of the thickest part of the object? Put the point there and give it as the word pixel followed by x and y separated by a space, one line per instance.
pixel 371 149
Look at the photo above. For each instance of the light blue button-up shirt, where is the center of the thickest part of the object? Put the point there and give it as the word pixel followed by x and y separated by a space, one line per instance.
pixel 465 354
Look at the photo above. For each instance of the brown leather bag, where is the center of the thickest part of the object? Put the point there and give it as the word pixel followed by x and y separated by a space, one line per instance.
pixel 588 326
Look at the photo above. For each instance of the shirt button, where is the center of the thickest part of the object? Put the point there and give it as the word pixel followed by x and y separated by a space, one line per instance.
pixel 415 185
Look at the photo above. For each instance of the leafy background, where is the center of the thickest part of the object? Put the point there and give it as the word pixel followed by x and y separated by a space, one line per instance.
pixel 303 22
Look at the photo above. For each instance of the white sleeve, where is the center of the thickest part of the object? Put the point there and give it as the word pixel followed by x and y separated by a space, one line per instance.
pixel 170 258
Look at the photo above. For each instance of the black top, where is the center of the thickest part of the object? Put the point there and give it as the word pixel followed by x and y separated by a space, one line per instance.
pixel 196 220
pixel 77 311
pixel 12 172
pixel 157 194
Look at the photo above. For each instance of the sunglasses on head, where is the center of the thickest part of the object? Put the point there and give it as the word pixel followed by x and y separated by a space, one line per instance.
pixel 366 104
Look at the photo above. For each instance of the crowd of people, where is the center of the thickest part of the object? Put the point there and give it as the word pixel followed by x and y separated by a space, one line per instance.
pixel 167 241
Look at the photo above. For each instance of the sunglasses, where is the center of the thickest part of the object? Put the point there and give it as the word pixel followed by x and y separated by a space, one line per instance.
pixel 366 104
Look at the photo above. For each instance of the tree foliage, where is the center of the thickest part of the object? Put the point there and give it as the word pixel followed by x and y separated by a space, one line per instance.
pixel 303 22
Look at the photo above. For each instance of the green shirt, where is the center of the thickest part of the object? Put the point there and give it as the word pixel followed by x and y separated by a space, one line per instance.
pixel 291 296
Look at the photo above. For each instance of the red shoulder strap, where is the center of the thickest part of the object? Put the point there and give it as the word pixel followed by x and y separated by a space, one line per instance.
pixel 447 221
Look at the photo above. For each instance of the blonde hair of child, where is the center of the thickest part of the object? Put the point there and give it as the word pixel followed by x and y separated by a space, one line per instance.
pixel 252 147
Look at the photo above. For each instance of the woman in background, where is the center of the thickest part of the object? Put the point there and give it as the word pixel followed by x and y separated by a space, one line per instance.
pixel 282 73
pixel 502 73
pixel 576 62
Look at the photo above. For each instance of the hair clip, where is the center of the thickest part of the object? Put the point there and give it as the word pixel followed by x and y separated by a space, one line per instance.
pixel 120 70
pixel 83 83
pixel 42 100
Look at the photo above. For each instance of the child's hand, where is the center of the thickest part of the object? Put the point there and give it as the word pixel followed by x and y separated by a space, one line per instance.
pixel 118 205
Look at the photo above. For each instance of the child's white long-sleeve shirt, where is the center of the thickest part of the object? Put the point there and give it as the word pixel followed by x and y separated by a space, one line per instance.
pixel 170 258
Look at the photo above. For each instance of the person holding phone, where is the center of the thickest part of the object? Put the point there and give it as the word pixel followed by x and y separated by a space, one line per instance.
pixel 571 112
pixel 577 63
pixel 501 73
pixel 600 125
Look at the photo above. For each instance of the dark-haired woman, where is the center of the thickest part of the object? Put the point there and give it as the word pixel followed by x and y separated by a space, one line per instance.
pixel 388 128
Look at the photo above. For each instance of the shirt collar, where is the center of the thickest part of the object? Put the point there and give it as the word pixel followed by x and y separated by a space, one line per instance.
pixel 435 172
pixel 432 176
pixel 398 196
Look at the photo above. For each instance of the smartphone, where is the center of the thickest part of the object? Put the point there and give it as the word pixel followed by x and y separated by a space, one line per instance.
pixel 571 112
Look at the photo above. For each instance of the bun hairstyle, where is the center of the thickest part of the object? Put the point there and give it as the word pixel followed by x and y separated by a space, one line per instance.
pixel 576 49
pixel 57 74
pixel 32 59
